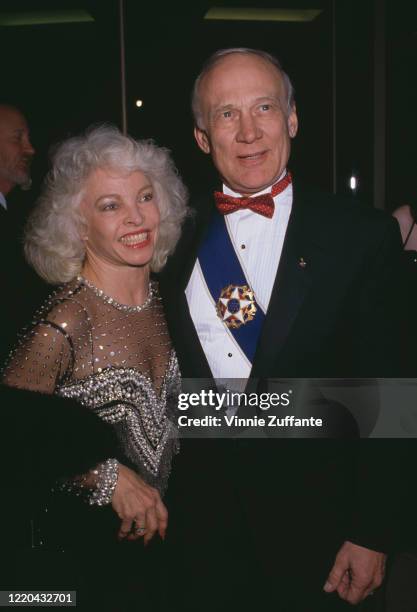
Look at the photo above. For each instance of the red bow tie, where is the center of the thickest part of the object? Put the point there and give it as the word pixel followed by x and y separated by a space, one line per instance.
pixel 261 204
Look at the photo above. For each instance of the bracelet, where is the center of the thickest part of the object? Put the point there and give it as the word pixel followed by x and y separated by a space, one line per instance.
pixel 107 474
pixel 98 494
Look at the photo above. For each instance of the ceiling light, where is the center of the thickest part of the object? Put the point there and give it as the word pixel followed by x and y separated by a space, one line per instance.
pixel 353 183
pixel 261 14
pixel 45 17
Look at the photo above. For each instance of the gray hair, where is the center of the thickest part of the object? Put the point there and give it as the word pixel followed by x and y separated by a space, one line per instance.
pixel 53 243
pixel 217 57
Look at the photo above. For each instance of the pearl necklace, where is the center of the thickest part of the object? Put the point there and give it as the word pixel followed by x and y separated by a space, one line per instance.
pixel 112 302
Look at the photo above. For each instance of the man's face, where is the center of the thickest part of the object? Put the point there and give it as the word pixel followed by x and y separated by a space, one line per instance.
pixel 246 126
pixel 16 151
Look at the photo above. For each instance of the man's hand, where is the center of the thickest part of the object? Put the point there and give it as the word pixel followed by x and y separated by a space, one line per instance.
pixel 356 573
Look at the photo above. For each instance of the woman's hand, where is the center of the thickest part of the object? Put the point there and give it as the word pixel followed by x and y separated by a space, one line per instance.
pixel 139 506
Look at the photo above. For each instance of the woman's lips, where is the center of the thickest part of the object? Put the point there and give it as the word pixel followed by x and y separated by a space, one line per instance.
pixel 136 240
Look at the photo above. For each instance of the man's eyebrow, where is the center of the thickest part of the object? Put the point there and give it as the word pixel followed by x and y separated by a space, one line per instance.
pixel 221 107
pixel 270 98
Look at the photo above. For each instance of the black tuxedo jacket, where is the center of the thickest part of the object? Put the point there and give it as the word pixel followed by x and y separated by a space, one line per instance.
pixel 331 314
pixel 22 289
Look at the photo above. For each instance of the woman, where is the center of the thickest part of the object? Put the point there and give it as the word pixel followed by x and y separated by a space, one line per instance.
pixel 110 214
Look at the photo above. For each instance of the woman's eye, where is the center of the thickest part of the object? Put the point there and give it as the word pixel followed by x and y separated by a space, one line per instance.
pixel 109 206
pixel 147 197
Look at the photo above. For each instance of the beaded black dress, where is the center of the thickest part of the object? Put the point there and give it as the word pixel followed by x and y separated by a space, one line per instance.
pixel 114 359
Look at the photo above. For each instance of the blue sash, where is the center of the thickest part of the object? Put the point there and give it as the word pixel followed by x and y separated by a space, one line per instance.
pixel 221 267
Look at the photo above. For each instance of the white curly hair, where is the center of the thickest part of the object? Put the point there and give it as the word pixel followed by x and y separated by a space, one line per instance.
pixel 53 243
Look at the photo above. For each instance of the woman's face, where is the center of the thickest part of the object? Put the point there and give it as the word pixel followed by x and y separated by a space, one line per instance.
pixel 122 218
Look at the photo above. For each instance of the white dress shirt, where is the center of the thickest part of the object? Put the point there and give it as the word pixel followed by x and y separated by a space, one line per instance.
pixel 258 243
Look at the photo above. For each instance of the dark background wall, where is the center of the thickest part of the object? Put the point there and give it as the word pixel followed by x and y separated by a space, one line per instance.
pixel 401 102
pixel 67 76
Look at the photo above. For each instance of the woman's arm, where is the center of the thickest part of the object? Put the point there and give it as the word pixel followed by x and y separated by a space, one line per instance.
pixel 41 360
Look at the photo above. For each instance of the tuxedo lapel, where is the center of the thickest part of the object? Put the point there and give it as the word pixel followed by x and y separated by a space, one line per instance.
pixel 199 225
pixel 187 344
pixel 302 260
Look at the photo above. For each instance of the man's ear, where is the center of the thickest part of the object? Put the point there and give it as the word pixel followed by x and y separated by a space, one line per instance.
pixel 292 122
pixel 202 139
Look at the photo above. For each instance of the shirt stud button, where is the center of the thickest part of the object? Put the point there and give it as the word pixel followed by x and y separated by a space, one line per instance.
pixel 229 354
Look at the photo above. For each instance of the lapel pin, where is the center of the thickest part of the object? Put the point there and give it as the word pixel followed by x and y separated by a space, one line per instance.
pixel 302 263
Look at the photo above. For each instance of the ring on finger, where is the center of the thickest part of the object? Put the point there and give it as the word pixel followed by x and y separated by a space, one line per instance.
pixel 140 529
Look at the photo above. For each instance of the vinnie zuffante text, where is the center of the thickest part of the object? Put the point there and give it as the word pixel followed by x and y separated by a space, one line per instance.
pixel 232 400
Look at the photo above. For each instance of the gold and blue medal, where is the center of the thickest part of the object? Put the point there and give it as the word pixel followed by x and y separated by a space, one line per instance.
pixel 236 305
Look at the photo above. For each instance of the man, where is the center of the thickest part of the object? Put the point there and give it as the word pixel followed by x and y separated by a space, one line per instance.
pixel 16 154
pixel 16 151
pixel 293 285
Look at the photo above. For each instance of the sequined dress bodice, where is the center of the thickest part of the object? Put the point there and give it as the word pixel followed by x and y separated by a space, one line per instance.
pixel 117 362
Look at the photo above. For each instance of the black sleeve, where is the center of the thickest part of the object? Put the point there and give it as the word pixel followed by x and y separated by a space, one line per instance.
pixel 381 485
pixel 45 437
pixel 378 346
